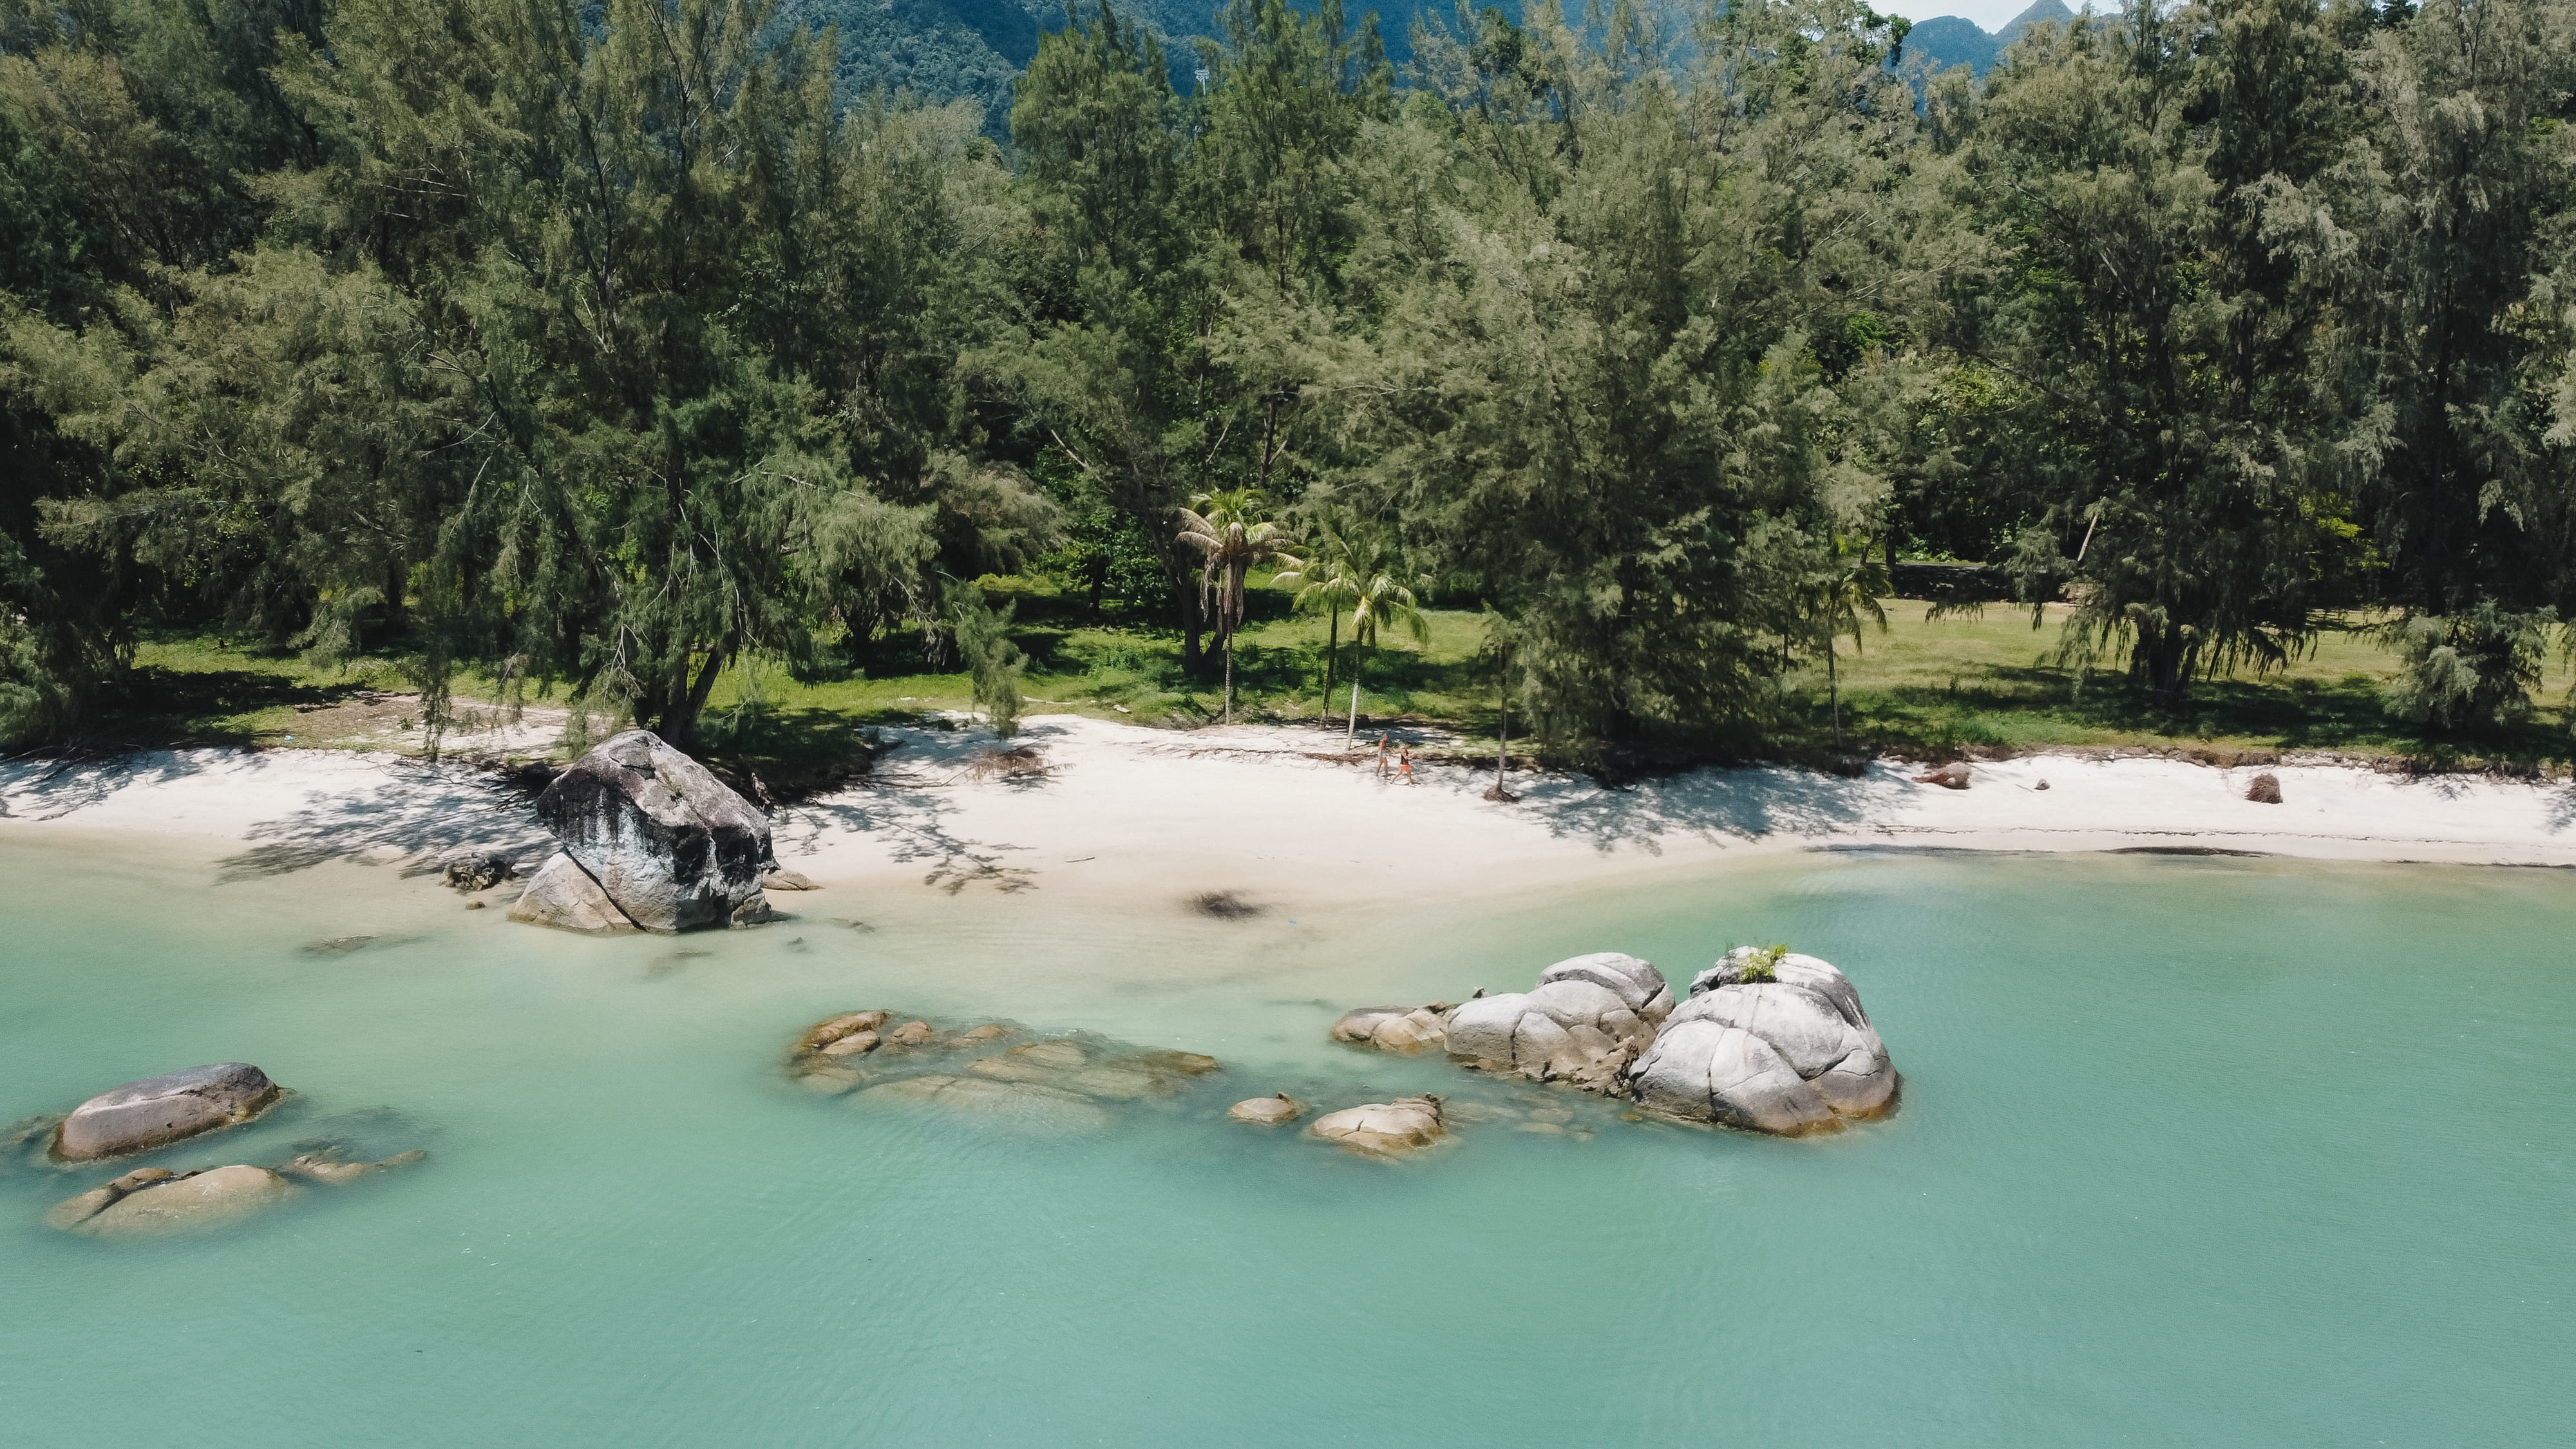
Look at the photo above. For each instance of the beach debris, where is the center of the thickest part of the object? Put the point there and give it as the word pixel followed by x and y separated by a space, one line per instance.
pixel 1585 1021
pixel 474 905
pixel 1225 906
pixel 476 870
pixel 1019 762
pixel 157 1111
pixel 1952 776
pixel 1770 1041
pixel 1395 1028
pixel 1384 1129
pixel 783 879
pixel 663 844
pixel 1270 1111
pixel 2265 790
pixel 2042 785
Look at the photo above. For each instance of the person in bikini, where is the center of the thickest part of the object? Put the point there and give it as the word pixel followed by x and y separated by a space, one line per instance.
pixel 1404 770
pixel 1381 755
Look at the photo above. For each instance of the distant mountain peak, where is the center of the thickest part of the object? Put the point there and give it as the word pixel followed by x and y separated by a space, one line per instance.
pixel 2051 10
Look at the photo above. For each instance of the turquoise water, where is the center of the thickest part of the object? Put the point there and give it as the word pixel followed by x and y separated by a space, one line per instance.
pixel 2192 1152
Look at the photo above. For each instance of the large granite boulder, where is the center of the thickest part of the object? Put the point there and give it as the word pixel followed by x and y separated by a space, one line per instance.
pixel 152 1202
pixel 1772 1045
pixel 669 845
pixel 157 1111
pixel 1585 1021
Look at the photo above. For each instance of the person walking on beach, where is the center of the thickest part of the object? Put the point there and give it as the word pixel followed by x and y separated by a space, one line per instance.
pixel 1405 770
pixel 1381 755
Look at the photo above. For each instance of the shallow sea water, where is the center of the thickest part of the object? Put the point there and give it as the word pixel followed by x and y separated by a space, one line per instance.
pixel 2192 1152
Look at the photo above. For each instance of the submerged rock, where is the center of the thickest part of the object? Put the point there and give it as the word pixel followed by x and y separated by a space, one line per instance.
pixel 326 1166
pixel 565 897
pixel 669 844
pixel 152 1202
pixel 1789 1055
pixel 1383 1129
pixel 157 1111
pixel 1587 1018
pixel 1267 1111
pixel 783 879
pixel 1017 1106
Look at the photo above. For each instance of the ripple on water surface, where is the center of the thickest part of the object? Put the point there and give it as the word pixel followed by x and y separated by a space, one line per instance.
pixel 2192 1151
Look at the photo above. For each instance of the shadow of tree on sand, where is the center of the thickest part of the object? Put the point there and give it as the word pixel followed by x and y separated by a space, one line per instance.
pixel 1742 804
pixel 434 811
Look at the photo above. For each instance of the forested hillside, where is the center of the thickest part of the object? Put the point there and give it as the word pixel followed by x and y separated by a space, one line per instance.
pixel 594 350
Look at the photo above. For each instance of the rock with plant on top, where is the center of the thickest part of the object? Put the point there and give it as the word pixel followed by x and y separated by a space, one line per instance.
pixel 1771 1041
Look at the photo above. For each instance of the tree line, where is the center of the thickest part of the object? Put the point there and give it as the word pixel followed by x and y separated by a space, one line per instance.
pixel 594 348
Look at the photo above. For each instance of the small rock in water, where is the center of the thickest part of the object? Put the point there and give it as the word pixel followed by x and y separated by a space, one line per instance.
pixel 473 905
pixel 857 1043
pixel 1383 1129
pixel 157 1111
pixel 2266 789
pixel 173 1203
pixel 783 879
pixel 1187 1063
pixel 911 1033
pixel 987 1032
pixel 565 897
pixel 1267 1111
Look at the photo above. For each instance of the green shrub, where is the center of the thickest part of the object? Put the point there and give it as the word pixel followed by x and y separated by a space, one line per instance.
pixel 1762 965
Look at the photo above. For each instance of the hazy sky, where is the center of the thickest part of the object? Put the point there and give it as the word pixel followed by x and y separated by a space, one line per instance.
pixel 1987 13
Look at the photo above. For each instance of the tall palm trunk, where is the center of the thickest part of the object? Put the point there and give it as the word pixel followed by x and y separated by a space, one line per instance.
pixel 1229 676
pixel 1332 643
pixel 1833 692
pixel 1351 736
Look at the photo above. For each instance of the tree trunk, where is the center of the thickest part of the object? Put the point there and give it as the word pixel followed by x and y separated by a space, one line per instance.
pixel 396 576
pixel 1229 676
pixel 680 722
pixel 1332 642
pixel 1351 736
pixel 1503 735
pixel 1833 692
pixel 1193 660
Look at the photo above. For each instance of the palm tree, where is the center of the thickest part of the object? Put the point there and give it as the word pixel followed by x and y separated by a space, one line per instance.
pixel 1382 588
pixel 1232 534
pixel 1842 593
pixel 1329 580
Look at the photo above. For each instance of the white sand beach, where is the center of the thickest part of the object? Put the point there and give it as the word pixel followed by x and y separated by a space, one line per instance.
pixel 1282 818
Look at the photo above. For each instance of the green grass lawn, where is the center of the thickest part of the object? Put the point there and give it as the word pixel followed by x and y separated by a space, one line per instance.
pixel 1964 682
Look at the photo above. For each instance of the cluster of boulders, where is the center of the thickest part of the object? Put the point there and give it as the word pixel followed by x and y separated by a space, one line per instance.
pixel 1767 1040
pixel 651 842
pixel 999 1072
pixel 157 1112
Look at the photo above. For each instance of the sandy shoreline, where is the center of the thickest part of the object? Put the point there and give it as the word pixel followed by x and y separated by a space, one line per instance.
pixel 1131 813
